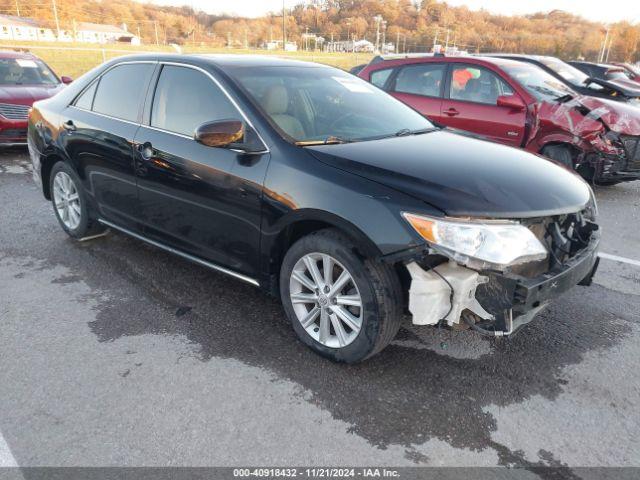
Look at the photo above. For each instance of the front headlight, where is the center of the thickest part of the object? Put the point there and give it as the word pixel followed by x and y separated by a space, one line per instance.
pixel 478 244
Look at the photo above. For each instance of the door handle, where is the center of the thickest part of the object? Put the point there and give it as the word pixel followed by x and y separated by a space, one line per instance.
pixel 146 150
pixel 69 126
pixel 452 112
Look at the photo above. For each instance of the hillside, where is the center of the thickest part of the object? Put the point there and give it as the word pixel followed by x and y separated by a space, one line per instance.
pixel 414 25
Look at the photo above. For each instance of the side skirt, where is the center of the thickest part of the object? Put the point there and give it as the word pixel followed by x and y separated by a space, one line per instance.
pixel 197 260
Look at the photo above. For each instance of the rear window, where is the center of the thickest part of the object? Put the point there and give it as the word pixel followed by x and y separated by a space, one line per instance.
pixel 121 91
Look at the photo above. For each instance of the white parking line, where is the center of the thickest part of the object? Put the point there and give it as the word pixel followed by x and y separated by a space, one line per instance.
pixel 6 457
pixel 616 258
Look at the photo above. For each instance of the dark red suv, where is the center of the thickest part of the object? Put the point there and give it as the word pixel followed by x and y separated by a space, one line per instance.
pixel 520 105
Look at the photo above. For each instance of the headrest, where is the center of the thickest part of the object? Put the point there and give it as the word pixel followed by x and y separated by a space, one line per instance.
pixel 276 100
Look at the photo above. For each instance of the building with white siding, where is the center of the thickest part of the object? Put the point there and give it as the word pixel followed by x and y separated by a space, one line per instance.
pixel 29 29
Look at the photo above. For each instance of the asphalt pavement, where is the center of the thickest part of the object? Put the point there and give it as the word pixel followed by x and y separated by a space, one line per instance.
pixel 114 353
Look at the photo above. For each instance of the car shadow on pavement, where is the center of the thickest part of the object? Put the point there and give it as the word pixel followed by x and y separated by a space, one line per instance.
pixel 404 395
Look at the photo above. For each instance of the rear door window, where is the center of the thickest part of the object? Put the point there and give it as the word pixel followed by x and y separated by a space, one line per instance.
pixel 186 98
pixel 122 89
pixel 477 84
pixel 379 77
pixel 422 79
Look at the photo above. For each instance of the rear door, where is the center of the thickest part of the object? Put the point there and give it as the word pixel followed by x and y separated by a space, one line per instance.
pixel 100 127
pixel 420 86
pixel 201 200
pixel 470 104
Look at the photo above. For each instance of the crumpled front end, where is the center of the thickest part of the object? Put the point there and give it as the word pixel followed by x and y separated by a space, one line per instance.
pixel 498 303
pixel 605 135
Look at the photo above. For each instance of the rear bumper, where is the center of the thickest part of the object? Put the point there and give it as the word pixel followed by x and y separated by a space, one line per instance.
pixel 35 157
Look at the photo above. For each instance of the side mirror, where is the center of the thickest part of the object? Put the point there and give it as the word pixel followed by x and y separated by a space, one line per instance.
pixel 220 133
pixel 66 80
pixel 514 102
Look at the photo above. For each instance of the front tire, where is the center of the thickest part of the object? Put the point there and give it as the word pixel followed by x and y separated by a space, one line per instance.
pixel 559 153
pixel 344 307
pixel 70 203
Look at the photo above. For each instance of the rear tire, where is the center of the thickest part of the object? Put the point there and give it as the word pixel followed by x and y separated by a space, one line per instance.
pixel 356 321
pixel 70 203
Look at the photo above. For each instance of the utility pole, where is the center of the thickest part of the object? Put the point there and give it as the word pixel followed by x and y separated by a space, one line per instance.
pixel 155 27
pixel 384 34
pixel 55 15
pixel 378 19
pixel 604 46
pixel 284 28
pixel 17 8
pixel 609 50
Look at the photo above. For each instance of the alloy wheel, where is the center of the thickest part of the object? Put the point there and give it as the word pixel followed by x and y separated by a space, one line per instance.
pixel 326 300
pixel 67 200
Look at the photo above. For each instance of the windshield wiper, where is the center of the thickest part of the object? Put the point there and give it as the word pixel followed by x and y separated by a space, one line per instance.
pixel 405 131
pixel 330 140
pixel 564 98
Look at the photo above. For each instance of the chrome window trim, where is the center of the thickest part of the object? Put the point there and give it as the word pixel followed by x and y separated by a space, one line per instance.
pixel 97 79
pixel 197 260
pixel 148 125
pixel 106 116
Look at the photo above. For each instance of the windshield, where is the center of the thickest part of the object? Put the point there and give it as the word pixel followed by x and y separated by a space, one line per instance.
pixel 326 105
pixel 25 71
pixel 617 75
pixel 539 83
pixel 570 73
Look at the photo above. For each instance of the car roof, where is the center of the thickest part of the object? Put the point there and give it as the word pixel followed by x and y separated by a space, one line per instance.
pixel 16 54
pixel 426 57
pixel 223 60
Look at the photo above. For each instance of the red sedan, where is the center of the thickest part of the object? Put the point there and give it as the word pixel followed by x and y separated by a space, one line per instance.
pixel 521 105
pixel 24 79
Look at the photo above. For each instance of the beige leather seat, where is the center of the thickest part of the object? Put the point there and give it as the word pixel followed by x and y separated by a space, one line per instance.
pixel 276 104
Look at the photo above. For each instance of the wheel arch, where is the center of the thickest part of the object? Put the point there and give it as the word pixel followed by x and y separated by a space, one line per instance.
pixel 46 165
pixel 304 222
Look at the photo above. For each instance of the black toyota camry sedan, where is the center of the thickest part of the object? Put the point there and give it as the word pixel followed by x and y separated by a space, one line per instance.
pixel 317 187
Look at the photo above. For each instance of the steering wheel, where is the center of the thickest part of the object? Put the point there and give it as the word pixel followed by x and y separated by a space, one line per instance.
pixel 340 119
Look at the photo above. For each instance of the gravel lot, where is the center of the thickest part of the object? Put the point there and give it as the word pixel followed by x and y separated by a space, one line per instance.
pixel 113 352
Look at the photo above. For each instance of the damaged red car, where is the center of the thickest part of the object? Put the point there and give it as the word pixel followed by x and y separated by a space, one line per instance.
pixel 521 105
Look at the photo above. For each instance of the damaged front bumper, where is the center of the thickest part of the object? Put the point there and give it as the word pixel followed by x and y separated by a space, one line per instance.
pixel 501 302
pixel 613 169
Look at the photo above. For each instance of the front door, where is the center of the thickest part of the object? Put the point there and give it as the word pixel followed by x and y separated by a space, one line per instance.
pixel 201 200
pixel 470 104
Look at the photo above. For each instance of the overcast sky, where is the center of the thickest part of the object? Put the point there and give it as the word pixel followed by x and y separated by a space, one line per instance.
pixel 615 10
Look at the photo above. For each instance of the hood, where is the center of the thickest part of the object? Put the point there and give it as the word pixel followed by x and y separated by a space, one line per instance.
pixel 627 90
pixel 463 176
pixel 623 118
pixel 27 94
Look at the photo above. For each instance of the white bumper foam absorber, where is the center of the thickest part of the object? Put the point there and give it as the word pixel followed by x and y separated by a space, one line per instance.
pixel 429 295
